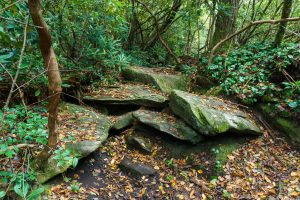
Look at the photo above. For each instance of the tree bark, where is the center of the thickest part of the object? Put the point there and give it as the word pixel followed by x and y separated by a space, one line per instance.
pixel 226 21
pixel 51 65
pixel 286 11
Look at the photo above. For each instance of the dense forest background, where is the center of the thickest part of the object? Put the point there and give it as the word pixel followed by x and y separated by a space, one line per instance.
pixel 96 39
pixel 247 50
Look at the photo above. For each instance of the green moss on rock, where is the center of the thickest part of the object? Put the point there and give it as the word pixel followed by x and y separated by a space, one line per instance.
pixel 78 149
pixel 289 128
pixel 211 116
pixel 165 82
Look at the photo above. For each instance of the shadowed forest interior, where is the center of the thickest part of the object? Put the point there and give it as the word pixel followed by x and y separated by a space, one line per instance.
pixel 149 99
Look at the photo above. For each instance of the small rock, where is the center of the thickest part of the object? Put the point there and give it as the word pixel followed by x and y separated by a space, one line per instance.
pixel 136 169
pixel 139 142
pixel 123 121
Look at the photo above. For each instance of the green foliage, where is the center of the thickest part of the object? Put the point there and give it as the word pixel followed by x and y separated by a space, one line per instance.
pixel 75 186
pixel 226 194
pixel 63 156
pixel 21 127
pixel 170 163
pixel 257 72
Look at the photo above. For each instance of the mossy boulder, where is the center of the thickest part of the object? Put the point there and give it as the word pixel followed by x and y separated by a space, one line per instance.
pixel 128 95
pixel 168 124
pixel 163 81
pixel 211 116
pixel 92 125
pixel 287 126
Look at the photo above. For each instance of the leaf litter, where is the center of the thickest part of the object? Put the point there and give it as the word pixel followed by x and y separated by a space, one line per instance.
pixel 263 168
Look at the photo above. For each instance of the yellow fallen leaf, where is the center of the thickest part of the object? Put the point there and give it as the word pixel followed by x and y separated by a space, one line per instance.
pixel 200 171
pixel 161 189
pixel 295 194
pixel 267 179
pixel 295 174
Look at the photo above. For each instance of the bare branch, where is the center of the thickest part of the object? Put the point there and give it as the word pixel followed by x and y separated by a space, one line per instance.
pixel 19 22
pixel 244 29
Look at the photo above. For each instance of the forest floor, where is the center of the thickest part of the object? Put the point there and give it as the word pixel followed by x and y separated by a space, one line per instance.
pixel 265 167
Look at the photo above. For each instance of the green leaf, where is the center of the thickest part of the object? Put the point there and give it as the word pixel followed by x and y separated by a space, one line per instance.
pixel 35 193
pixel 75 162
pixel 293 104
pixel 65 85
pixel 6 56
pixel 21 189
pixel 226 194
pixel 9 153
pixel 2 194
pixel 37 92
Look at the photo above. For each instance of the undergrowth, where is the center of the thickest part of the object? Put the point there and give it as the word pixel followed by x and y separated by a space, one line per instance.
pixel 20 127
pixel 260 73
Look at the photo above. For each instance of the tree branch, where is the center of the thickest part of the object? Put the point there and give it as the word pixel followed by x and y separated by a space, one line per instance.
pixel 244 29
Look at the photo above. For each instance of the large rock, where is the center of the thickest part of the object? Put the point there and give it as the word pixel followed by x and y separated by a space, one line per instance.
pixel 164 81
pixel 286 125
pixel 94 128
pixel 211 116
pixel 168 124
pixel 128 95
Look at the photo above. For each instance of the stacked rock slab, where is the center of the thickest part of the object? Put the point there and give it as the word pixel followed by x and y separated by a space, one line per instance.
pixel 128 95
pixel 211 116
pixel 79 149
pixel 168 124
pixel 165 82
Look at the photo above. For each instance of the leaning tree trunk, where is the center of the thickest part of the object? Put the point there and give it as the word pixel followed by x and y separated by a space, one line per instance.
pixel 225 23
pixel 286 11
pixel 51 65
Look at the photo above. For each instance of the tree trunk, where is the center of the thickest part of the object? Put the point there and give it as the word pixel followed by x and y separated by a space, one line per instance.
pixel 54 79
pixel 165 25
pixel 286 11
pixel 226 21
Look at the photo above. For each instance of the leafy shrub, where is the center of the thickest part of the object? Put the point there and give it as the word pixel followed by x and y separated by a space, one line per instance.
pixel 259 72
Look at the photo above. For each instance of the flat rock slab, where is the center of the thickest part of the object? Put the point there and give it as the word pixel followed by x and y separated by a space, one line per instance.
pixel 210 115
pixel 164 81
pixel 89 129
pixel 136 168
pixel 128 94
pixel 168 124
